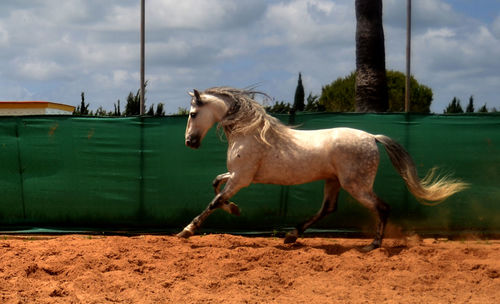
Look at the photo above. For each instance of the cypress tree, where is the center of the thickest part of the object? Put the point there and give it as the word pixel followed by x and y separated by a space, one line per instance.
pixel 160 110
pixel 483 109
pixel 298 102
pixel 151 111
pixel 82 109
pixel 454 107
pixel 470 106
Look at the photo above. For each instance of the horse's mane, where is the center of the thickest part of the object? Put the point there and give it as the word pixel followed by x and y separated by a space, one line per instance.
pixel 246 115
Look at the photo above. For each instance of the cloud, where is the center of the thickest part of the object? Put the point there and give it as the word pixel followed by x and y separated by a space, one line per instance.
pixel 204 15
pixel 452 53
pixel 4 36
pixel 496 27
pixel 33 69
pixel 458 63
pixel 55 50
pixel 308 23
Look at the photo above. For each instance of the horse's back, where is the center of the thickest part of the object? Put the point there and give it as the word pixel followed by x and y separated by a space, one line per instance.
pixel 310 155
pixel 336 141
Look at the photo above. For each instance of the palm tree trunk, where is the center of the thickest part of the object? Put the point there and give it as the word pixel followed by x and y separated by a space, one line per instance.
pixel 371 81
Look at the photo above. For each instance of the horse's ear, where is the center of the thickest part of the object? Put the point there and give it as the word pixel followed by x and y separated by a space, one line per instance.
pixel 197 97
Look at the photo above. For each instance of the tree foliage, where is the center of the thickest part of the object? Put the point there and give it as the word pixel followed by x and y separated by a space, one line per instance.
pixel 339 95
pixel 420 95
pixel 313 104
pixel 298 101
pixel 454 107
pixel 470 106
pixel 159 110
pixel 151 111
pixel 133 106
pixel 483 109
pixel 182 111
pixel 117 111
pixel 100 112
pixel 279 107
pixel 83 108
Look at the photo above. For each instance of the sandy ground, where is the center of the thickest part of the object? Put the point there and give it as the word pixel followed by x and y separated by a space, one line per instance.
pixel 235 269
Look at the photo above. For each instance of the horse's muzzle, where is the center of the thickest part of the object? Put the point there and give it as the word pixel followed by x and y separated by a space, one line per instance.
pixel 193 142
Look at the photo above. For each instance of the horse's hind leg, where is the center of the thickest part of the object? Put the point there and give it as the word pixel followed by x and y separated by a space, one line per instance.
pixel 331 192
pixel 381 210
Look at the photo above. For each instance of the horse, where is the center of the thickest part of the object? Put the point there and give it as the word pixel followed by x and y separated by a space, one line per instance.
pixel 261 149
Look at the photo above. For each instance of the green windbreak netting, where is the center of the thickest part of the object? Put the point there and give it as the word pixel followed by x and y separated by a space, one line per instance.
pixel 135 173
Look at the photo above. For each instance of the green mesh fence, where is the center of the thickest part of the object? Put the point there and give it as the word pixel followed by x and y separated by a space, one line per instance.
pixel 114 174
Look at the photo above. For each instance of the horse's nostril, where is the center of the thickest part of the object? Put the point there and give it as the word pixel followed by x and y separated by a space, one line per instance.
pixel 193 142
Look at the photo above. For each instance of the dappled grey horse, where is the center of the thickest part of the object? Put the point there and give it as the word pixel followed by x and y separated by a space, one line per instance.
pixel 263 150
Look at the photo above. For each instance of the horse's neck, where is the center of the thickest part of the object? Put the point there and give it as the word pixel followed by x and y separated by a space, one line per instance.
pixel 254 137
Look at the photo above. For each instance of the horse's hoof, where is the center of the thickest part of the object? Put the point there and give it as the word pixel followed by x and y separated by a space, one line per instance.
pixel 290 238
pixel 184 234
pixel 233 209
pixel 368 248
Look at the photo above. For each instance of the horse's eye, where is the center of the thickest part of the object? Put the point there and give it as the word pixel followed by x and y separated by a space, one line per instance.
pixel 193 114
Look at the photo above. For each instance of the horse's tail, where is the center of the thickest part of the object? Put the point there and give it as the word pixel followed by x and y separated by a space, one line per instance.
pixel 431 188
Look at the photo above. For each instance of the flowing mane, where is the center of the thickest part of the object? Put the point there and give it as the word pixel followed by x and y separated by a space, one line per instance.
pixel 246 115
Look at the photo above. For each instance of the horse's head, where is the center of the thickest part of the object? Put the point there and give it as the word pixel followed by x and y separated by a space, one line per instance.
pixel 205 111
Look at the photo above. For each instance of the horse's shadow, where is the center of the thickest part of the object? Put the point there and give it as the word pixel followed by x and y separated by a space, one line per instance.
pixel 336 249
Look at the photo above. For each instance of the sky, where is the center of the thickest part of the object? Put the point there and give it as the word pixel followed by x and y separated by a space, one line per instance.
pixel 53 50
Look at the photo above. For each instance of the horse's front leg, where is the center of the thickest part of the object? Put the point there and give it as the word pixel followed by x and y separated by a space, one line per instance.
pixel 227 206
pixel 195 224
pixel 221 200
pixel 219 181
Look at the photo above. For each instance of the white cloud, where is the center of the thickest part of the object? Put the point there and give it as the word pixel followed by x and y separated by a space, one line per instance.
pixel 425 14
pixel 54 50
pixel 496 27
pixel 191 14
pixel 452 53
pixel 121 77
pixel 309 22
pixel 33 69
pixel 4 36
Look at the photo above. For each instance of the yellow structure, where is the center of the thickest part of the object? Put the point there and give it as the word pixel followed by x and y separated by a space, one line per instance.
pixel 17 108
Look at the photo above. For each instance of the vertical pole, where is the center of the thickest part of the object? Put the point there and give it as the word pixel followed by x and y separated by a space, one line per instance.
pixel 141 210
pixel 408 55
pixel 407 89
pixel 141 110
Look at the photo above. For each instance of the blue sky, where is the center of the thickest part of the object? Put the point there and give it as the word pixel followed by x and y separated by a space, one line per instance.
pixel 53 50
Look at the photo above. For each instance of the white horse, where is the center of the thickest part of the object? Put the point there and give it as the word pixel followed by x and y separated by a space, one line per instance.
pixel 263 150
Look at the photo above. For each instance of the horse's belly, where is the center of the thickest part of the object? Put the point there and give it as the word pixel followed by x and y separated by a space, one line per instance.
pixel 288 178
pixel 293 172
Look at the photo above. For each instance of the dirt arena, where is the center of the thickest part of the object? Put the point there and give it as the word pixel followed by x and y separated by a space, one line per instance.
pixel 235 269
